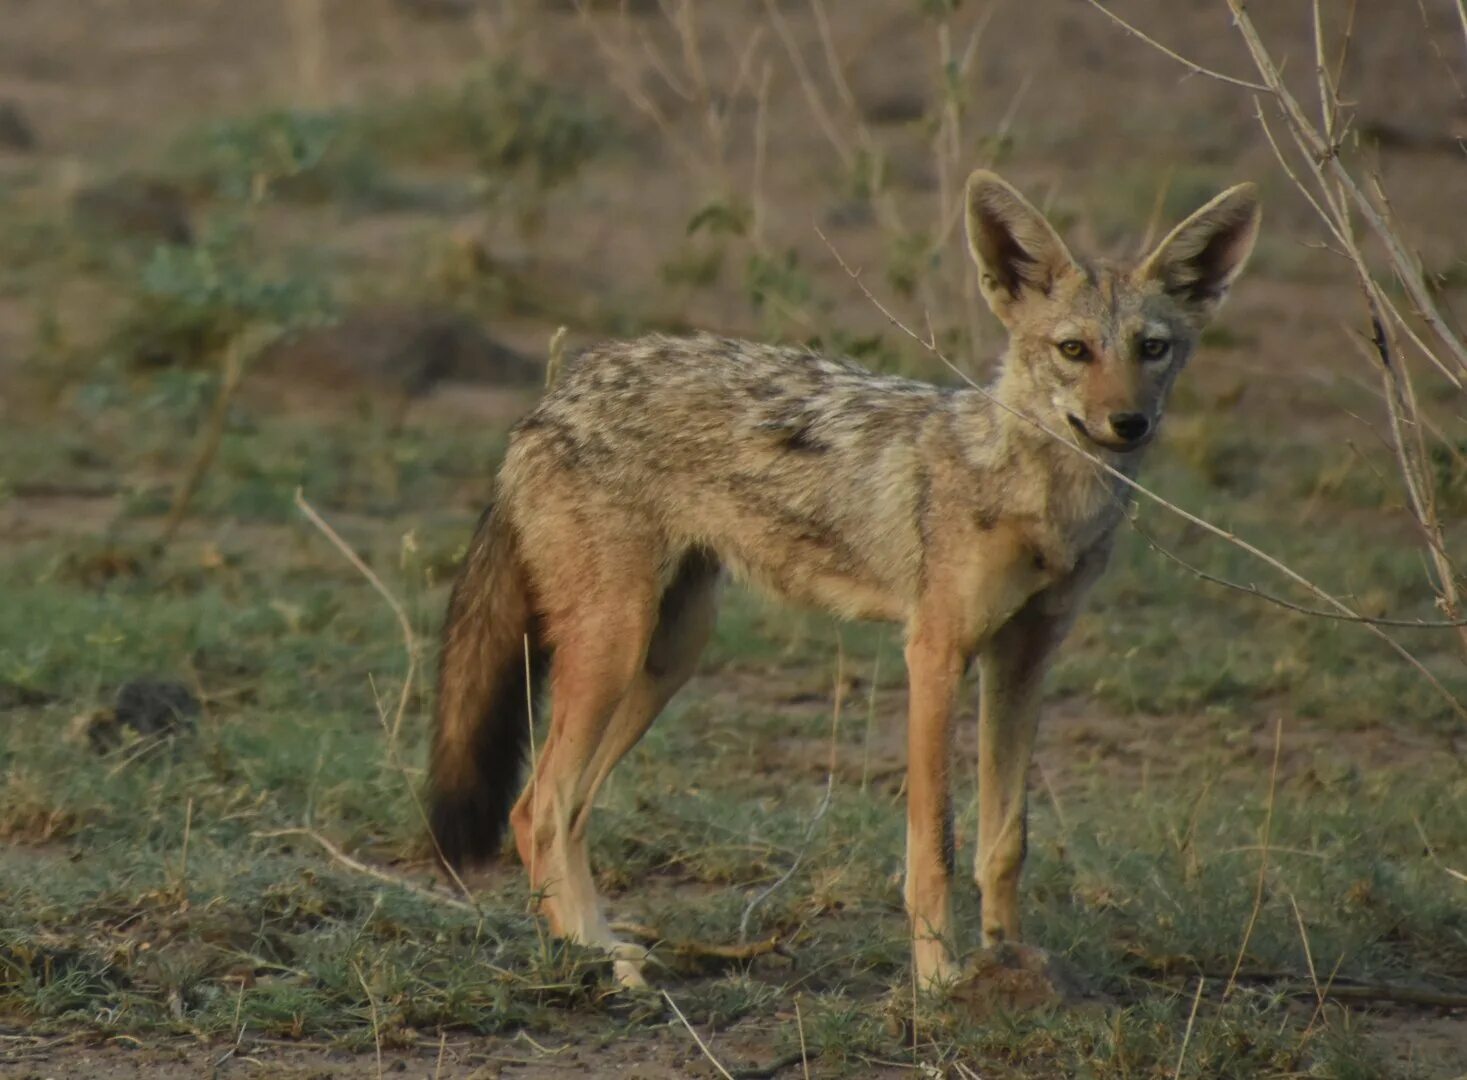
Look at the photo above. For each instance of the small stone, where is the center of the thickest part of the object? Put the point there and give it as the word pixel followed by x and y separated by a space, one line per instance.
pixel 145 710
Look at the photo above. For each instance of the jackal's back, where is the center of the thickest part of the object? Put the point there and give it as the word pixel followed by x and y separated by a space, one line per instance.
pixel 783 462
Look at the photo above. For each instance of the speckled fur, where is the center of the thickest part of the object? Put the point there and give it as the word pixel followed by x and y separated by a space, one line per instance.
pixel 966 515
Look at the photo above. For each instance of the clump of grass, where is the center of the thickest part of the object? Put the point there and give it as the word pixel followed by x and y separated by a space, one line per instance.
pixel 519 136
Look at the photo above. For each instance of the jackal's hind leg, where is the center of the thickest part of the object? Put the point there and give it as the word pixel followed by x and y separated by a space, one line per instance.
pixel 596 663
pixel 686 617
pixel 608 687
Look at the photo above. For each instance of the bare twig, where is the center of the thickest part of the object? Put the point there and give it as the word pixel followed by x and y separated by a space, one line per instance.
pixel 1196 69
pixel 1296 984
pixel 555 357
pixel 1321 151
pixel 409 639
pixel 1289 605
pixel 209 445
pixel 359 867
pixel 1273 777
pixel 1187 1035
pixel 697 1038
pixel 376 1024
pixel 703 950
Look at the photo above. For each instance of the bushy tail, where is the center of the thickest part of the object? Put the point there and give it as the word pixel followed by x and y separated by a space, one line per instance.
pixel 482 725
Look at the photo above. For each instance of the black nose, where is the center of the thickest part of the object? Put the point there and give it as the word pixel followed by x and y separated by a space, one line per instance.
pixel 1130 425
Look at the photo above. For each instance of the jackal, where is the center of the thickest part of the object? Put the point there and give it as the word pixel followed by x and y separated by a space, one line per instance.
pixel 977 519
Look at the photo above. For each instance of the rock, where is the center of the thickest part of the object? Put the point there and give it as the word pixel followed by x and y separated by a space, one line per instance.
pixel 146 710
pixel 136 206
pixel 16 132
pixel 403 351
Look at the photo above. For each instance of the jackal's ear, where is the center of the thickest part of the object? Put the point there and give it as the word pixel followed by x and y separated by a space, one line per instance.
pixel 1200 259
pixel 1016 250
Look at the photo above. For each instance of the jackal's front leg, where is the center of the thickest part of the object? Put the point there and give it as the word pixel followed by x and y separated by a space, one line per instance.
pixel 935 664
pixel 1011 670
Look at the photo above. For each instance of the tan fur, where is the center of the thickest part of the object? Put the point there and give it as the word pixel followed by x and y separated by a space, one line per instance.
pixel 651 465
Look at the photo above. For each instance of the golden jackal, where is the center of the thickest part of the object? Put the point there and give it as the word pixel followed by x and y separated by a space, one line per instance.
pixel 651 466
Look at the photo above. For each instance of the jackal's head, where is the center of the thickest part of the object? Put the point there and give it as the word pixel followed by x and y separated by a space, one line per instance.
pixel 1094 349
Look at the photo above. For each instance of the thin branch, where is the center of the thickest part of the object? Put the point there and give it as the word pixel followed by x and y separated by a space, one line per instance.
pixel 697 1038
pixel 1312 612
pixel 409 639
pixel 702 950
pixel 1187 1036
pixel 1196 69
pixel 1462 15
pixel 359 867
pixel 1325 154
pixel 1273 777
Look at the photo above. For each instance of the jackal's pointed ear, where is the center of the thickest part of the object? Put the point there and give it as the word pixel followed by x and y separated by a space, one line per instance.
pixel 1017 251
pixel 1201 258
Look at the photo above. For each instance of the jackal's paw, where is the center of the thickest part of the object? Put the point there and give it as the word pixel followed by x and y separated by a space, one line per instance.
pixel 628 960
pixel 937 971
pixel 629 975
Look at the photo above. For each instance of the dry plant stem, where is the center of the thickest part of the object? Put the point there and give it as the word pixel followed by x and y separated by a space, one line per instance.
pixel 1196 69
pixel 1398 391
pixel 627 73
pixel 1187 1035
pixel 800 1025
pixel 410 646
pixel 410 649
pixel 208 447
pixel 1308 952
pixel 372 1004
pixel 1398 387
pixel 1325 155
pixel 703 950
pixel 1288 605
pixel 359 867
pixel 555 358
pixel 188 821
pixel 409 639
pixel 1158 207
pixel 697 1038
pixel 1243 545
pixel 1295 985
pixel 1273 777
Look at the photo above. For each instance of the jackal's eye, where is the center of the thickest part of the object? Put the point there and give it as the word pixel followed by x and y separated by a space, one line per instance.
pixel 1072 349
pixel 1154 348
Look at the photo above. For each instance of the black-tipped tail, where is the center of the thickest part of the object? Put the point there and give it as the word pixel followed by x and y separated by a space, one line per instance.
pixel 490 671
